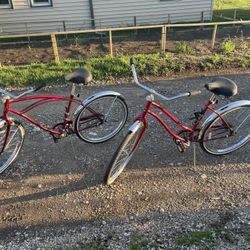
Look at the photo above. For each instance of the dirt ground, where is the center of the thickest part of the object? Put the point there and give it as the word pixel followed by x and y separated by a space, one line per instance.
pixel 53 196
pixel 82 47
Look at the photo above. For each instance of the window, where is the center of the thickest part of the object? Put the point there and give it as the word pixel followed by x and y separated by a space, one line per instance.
pixel 6 4
pixel 40 3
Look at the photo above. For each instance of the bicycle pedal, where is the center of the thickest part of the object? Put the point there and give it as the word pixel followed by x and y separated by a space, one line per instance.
pixel 182 146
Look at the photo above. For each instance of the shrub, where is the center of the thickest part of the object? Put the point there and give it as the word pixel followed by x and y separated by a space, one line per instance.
pixel 182 47
pixel 227 47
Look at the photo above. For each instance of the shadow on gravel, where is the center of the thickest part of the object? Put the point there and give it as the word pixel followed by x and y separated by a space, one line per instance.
pixel 76 186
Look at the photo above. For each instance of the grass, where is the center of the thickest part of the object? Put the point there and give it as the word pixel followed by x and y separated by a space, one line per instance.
pixel 232 4
pixel 109 68
pixel 138 242
pixel 197 237
pixel 226 8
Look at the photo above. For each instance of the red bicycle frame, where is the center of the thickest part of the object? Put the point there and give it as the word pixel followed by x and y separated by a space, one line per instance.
pixel 41 100
pixel 190 131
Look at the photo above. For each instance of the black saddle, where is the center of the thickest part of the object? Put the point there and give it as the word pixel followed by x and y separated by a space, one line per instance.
pixel 222 86
pixel 80 75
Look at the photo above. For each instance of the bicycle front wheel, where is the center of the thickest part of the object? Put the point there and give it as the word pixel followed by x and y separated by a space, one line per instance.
pixel 101 119
pixel 227 132
pixel 124 152
pixel 11 141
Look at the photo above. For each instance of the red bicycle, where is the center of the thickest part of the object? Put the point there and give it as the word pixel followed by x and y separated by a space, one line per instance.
pixel 97 119
pixel 224 131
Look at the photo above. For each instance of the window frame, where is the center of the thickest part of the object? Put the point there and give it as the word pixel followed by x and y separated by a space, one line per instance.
pixel 7 6
pixel 39 5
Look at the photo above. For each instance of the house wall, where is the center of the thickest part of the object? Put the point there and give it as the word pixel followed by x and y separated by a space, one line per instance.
pixel 117 12
pixel 108 13
pixel 23 18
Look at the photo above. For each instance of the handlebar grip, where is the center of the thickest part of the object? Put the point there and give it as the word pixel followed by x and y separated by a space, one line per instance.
pixel 131 60
pixel 194 92
pixel 39 87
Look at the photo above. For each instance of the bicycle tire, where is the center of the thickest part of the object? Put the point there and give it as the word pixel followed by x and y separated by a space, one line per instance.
pixel 101 119
pixel 14 143
pixel 234 135
pixel 114 170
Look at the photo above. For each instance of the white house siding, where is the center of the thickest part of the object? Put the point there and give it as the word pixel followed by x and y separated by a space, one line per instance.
pixel 108 13
pixel 24 18
pixel 121 13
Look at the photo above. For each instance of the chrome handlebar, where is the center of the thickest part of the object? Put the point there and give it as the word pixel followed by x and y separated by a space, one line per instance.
pixel 12 96
pixel 152 91
pixel 6 93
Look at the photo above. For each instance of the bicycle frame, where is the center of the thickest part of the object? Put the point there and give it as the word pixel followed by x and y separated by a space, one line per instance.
pixel 40 100
pixel 191 138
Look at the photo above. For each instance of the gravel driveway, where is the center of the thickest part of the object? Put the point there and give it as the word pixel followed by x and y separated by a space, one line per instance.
pixel 53 196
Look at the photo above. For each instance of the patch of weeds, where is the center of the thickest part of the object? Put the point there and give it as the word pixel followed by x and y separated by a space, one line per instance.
pixel 140 243
pixel 227 47
pixel 182 47
pixel 197 237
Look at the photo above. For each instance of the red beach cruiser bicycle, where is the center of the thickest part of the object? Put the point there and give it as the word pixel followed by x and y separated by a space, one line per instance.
pixel 224 131
pixel 97 119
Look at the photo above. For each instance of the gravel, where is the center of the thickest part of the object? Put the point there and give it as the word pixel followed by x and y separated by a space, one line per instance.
pixel 53 196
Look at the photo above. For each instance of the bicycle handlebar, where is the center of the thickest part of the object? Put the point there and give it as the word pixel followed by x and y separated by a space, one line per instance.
pixel 30 90
pixel 152 91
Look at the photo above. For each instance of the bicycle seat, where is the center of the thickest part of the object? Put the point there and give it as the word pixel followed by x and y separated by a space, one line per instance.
pixel 80 75
pixel 222 86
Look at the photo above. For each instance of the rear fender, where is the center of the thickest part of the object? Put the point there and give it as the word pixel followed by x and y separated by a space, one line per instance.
pixel 220 111
pixel 93 97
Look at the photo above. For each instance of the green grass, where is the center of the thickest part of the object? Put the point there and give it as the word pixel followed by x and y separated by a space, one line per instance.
pixel 113 68
pixel 139 242
pixel 226 8
pixel 193 238
pixel 232 4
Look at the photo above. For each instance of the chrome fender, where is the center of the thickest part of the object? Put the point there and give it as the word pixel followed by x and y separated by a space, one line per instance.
pixel 221 111
pixel 136 125
pixel 95 96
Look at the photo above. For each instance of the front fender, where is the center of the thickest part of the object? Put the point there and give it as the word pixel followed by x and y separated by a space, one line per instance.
pixel 95 96
pixel 221 111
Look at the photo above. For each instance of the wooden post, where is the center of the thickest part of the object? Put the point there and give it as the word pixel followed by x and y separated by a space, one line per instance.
pixel 55 48
pixel 163 39
pixel 110 43
pixel 214 36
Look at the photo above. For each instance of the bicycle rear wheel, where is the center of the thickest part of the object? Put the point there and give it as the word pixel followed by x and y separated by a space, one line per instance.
pixel 15 138
pixel 228 132
pixel 124 152
pixel 101 119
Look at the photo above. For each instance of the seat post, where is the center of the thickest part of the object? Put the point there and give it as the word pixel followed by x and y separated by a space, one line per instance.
pixel 73 89
pixel 213 99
